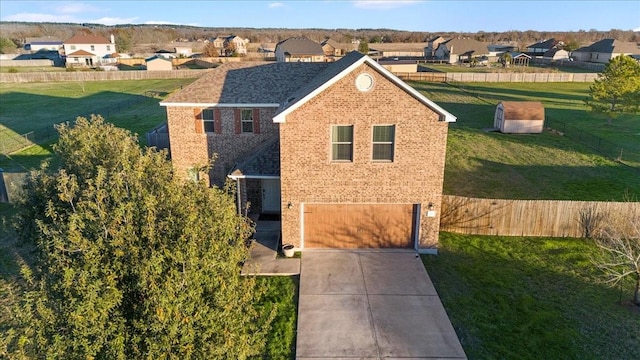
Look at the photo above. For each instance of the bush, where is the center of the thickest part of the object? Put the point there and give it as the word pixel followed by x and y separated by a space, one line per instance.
pixel 13 70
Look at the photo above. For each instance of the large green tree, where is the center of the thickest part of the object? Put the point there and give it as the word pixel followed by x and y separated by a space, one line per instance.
pixel 132 262
pixel 617 88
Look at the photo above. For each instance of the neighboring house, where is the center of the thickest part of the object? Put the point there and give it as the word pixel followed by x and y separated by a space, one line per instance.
pixel 541 47
pixel 89 50
pixel 604 50
pixel 224 44
pixel 331 48
pixel 556 54
pixel 299 49
pixel 519 117
pixel 348 154
pixel 156 63
pixel 167 54
pixel 432 45
pixel 461 50
pixel 46 43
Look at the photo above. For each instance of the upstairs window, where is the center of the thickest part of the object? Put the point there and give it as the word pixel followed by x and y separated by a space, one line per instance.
pixel 342 142
pixel 93 48
pixel 208 121
pixel 108 47
pixel 246 120
pixel 383 142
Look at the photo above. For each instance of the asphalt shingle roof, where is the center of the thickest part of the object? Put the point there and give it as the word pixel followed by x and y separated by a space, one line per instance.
pixel 300 46
pixel 614 46
pixel 466 46
pixel 264 161
pixel 88 39
pixel 248 83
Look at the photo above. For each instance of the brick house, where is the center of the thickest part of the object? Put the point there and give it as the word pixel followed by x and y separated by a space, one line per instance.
pixel 348 155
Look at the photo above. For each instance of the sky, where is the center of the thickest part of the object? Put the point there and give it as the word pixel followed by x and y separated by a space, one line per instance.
pixel 410 15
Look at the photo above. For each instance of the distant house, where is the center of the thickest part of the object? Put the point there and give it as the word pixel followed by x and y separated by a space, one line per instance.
pixel 461 50
pixel 400 66
pixel 227 44
pixel 299 49
pixel 604 50
pixel 46 43
pixel 331 48
pixel 89 50
pixel 519 58
pixel 156 63
pixel 541 47
pixel 519 117
pixel 432 45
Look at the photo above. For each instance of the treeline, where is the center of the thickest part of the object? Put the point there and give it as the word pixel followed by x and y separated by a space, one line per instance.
pixel 129 37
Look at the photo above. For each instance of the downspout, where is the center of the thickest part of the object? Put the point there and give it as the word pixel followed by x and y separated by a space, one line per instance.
pixel 238 196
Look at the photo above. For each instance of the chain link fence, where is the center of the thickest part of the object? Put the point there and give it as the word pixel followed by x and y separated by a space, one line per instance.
pixel 603 146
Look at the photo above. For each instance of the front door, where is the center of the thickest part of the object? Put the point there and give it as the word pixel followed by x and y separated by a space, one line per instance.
pixel 271 195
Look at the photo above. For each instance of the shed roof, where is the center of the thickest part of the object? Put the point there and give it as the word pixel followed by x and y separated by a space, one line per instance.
pixel 522 110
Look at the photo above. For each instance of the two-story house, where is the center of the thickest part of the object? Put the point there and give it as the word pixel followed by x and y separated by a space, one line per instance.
pixel 461 50
pixel 299 49
pixel 606 49
pixel 227 44
pixel 89 50
pixel 349 155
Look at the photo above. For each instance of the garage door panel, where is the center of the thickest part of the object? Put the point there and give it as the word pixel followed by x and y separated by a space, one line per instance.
pixel 359 225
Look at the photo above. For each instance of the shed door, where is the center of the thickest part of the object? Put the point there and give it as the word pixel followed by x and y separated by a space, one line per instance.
pixel 349 226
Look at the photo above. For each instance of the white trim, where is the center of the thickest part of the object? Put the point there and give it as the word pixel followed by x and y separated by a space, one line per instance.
pixel 236 177
pixel 448 117
pixel 219 105
pixel 301 225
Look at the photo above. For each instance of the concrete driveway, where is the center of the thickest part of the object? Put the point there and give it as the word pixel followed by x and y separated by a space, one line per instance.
pixel 371 305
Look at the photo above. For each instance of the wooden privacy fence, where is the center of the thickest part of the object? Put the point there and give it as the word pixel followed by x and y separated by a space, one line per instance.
pixel 422 76
pixel 552 218
pixel 99 75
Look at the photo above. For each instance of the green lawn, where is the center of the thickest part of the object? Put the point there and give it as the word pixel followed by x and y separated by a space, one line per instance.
pixel 533 166
pixel 122 103
pixel 27 69
pixel 532 298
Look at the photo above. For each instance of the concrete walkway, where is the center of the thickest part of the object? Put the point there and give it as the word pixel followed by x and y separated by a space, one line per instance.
pixel 263 253
pixel 371 305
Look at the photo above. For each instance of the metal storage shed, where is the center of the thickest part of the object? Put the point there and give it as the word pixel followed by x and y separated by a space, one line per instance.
pixel 519 117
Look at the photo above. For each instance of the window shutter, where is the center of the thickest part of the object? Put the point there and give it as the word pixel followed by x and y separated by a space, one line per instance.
pixel 236 117
pixel 256 121
pixel 217 121
pixel 199 126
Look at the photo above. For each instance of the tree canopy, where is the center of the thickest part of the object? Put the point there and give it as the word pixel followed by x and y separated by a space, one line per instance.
pixel 617 88
pixel 363 47
pixel 132 262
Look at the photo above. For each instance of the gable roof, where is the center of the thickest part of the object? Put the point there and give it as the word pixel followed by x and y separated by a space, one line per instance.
pixel 47 40
pixel 466 46
pixel 330 42
pixel 523 110
pixel 338 70
pixel 613 46
pixel 283 85
pixel 300 46
pixel 81 53
pixel 156 57
pixel 88 39
pixel 246 83
pixel 544 44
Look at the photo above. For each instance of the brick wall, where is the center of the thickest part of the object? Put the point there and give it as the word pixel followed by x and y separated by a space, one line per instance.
pixel 415 176
pixel 190 148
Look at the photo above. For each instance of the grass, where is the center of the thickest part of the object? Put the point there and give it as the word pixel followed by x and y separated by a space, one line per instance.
pixel 533 166
pixel 122 103
pixel 532 298
pixel 28 69
pixel 283 294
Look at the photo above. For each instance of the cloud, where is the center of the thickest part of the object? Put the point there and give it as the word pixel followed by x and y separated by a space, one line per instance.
pixel 113 20
pixel 75 8
pixel 37 17
pixel 275 5
pixel 637 29
pixel 161 22
pixel 383 4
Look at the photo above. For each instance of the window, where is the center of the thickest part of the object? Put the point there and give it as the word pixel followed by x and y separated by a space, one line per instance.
pixel 342 143
pixel 93 48
pixel 208 121
pixel 383 141
pixel 108 47
pixel 246 120
pixel 73 47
